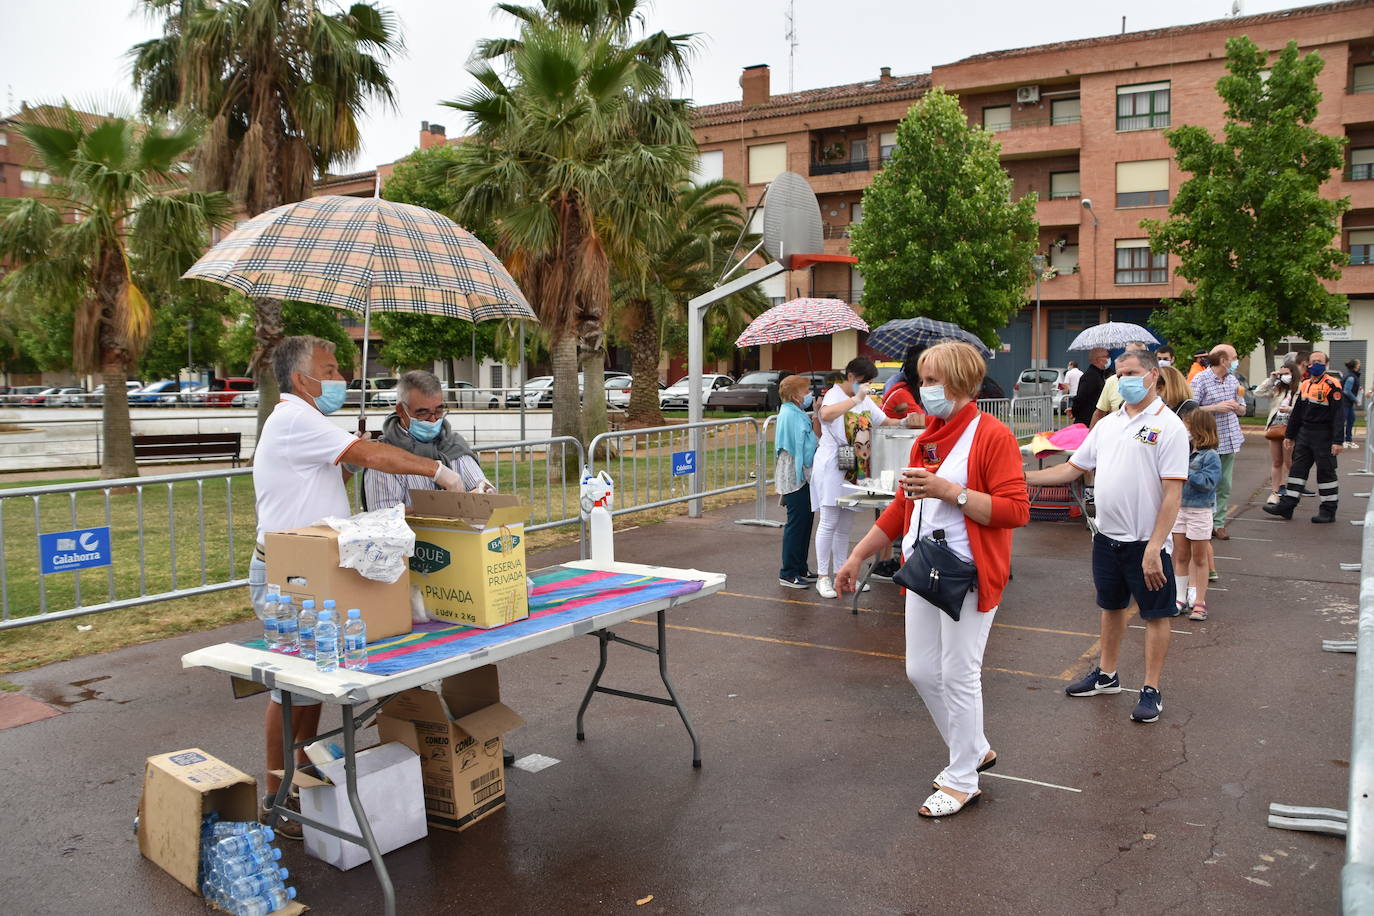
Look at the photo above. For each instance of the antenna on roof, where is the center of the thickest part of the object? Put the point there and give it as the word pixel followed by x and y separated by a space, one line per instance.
pixel 1235 7
pixel 791 38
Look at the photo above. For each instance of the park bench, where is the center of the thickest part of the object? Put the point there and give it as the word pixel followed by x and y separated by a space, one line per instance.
pixel 188 445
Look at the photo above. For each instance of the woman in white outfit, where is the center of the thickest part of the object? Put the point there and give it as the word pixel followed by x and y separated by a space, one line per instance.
pixel 965 479
pixel 827 480
pixel 1281 387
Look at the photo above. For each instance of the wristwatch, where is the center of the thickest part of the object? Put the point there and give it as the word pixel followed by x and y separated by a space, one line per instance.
pixel 962 499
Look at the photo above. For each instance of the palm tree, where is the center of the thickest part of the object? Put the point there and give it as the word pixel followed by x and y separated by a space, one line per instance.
pixel 576 140
pixel 116 220
pixel 704 222
pixel 282 85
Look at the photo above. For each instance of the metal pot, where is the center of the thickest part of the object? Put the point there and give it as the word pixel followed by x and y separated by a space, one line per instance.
pixel 892 449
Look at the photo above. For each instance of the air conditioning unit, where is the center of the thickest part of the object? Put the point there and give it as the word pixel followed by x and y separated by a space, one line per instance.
pixel 1027 95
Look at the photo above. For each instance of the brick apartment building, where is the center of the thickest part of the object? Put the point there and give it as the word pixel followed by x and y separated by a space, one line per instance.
pixel 1079 122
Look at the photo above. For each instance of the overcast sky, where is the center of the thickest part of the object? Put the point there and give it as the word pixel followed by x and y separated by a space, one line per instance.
pixel 74 49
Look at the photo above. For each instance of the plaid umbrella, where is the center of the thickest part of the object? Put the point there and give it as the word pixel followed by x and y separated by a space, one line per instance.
pixel 364 255
pixel 1111 336
pixel 894 338
pixel 800 318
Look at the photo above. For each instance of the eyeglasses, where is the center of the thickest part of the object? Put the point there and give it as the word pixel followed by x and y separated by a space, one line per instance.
pixel 427 415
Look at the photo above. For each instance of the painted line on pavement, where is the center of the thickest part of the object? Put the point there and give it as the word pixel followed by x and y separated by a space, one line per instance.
pixel 1236 537
pixel 1034 782
pixel 1259 521
pixel 871 610
pixel 1217 556
pixel 811 645
pixel 1136 626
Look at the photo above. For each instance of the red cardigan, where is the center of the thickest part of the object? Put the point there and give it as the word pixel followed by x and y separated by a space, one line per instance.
pixel 900 401
pixel 994 468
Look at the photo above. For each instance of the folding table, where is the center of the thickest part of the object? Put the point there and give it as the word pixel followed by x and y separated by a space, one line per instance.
pixel 570 600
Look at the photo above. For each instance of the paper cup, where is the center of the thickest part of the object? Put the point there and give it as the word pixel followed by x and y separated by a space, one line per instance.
pixel 888 480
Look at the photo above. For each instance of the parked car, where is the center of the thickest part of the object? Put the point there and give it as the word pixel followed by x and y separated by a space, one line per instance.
pixel 151 394
pixel 222 391
pixel 14 397
pixel 374 385
pixel 1250 393
pixel 97 397
pixel 1047 381
pixel 459 396
pixel 674 397
pixel 245 399
pixel 618 391
pixel 545 395
pixel 990 390
pixel 40 398
pixel 754 391
pixel 70 397
pixel 187 397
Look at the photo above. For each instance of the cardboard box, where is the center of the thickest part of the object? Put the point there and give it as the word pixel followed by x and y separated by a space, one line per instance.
pixel 390 789
pixel 457 733
pixel 469 561
pixel 179 789
pixel 311 555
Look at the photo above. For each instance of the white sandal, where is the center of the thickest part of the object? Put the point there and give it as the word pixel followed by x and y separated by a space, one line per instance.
pixel 942 804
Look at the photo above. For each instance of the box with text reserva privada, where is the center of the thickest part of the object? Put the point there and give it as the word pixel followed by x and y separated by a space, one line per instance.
pixel 469 561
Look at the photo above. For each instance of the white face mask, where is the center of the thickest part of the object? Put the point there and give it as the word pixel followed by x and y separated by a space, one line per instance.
pixel 1166 362
pixel 1286 378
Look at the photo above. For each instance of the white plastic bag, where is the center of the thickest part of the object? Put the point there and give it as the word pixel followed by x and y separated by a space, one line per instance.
pixel 377 544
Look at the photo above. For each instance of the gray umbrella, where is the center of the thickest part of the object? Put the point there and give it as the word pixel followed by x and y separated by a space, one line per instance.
pixel 1111 336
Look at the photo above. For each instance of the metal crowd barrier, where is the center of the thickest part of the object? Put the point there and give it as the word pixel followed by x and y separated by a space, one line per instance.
pixel 1357 877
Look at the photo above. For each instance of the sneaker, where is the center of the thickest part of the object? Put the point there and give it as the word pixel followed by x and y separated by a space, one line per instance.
pixel 283 827
pixel 1349 443
pixel 1150 706
pixel 793 582
pixel 810 576
pixel 1212 575
pixel 1093 683
pixel 1273 499
pixel 1199 612
pixel 825 587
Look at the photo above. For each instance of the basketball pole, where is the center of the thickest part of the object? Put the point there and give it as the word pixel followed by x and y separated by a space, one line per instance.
pixel 696 311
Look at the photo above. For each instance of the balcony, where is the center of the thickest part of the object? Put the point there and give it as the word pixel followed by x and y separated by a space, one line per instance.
pixel 839 167
pixel 844 295
pixel 1040 137
pixel 1062 211
pixel 828 177
pixel 1357 108
pixel 1062 288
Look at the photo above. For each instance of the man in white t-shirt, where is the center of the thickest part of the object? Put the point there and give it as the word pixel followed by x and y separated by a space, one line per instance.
pixel 298 480
pixel 1140 455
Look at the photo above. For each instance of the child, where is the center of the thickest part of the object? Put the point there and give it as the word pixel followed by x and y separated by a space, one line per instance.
pixel 1193 528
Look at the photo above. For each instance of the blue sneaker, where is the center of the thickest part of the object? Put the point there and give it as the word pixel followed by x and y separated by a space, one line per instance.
pixel 793 582
pixel 1093 683
pixel 1150 706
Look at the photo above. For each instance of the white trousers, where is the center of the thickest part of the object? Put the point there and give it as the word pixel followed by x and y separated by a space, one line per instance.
pixel 944 660
pixel 832 538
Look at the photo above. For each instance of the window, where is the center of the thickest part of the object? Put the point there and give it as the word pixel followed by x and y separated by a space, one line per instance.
pixel 1142 184
pixel 1362 164
pixel 775 289
pixel 856 284
pixel 856 212
pixel 765 162
pixel 887 142
pixel 1142 107
pixel 1135 263
pixel 997 118
pixel 1362 79
pixel 1065 111
pixel 1063 185
pixel 1065 259
pixel 32 179
pixel 756 222
pixel 498 373
pixel 1362 246
pixel 858 150
pixel 4 138
pixel 710 166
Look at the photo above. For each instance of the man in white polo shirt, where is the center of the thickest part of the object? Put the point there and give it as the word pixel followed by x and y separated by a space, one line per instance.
pixel 298 480
pixel 1140 454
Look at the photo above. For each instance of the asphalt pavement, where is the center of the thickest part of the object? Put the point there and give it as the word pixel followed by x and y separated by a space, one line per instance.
pixel 817 753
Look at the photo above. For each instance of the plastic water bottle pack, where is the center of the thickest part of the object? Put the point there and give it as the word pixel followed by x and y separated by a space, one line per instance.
pixel 238 867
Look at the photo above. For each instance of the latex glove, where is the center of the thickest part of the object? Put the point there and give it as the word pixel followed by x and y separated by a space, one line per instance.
pixel 447 479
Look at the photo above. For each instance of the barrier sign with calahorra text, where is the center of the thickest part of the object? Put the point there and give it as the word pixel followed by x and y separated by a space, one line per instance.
pixel 83 548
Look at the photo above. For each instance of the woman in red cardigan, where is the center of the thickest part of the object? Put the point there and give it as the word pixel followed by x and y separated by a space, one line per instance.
pixel 965 478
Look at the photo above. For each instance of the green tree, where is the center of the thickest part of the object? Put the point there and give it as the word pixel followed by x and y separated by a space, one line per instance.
pixel 282 85
pixel 703 223
pixel 1250 228
pixel 116 221
pixel 941 236
pixel 208 310
pixel 575 138
pixel 240 344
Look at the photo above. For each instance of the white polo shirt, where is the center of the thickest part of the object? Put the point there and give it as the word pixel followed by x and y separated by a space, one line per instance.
pixel 296 474
pixel 1132 455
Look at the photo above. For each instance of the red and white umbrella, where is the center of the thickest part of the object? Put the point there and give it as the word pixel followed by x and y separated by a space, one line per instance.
pixel 800 318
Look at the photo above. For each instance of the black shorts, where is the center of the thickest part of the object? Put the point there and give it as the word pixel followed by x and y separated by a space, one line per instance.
pixel 1118 575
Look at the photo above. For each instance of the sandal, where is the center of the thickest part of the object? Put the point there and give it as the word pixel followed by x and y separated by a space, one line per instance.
pixel 1199 611
pixel 942 804
pixel 989 761
pixel 1183 608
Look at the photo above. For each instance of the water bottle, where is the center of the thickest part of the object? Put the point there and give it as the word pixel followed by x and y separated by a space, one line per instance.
pixel 326 643
pixel 269 621
pixel 229 867
pixel 242 844
pixel 288 638
pixel 241 828
pixel 267 903
pixel 307 621
pixel 355 641
pixel 257 885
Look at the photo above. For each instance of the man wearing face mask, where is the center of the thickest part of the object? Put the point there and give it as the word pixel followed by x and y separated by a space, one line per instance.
pixel 1315 426
pixel 298 480
pixel 419 427
pixel 1090 386
pixel 1218 392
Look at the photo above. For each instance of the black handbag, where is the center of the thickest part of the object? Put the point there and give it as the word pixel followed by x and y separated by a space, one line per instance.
pixel 936 573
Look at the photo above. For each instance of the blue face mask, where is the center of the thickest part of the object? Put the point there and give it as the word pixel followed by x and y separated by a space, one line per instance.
pixel 424 430
pixel 808 401
pixel 1132 388
pixel 1231 369
pixel 935 403
pixel 332 393
pixel 1316 370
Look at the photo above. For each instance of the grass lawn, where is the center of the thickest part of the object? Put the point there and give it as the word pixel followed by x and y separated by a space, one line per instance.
pixel 186 541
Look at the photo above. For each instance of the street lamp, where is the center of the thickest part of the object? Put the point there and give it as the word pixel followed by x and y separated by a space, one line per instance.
pixel 1037 265
pixel 190 325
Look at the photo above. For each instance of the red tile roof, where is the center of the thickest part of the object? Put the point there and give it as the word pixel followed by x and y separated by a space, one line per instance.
pixel 1229 24
pixel 898 87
